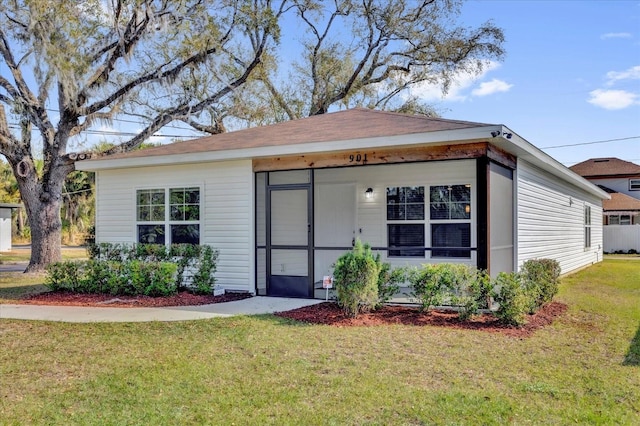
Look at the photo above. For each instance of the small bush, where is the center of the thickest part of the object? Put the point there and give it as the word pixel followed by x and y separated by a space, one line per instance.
pixel 541 278
pixel 195 264
pixel 64 276
pixel 388 281
pixel 117 278
pixel 153 279
pixel 429 284
pixel 513 298
pixel 458 285
pixel 356 274
pixel 471 290
pixel 204 280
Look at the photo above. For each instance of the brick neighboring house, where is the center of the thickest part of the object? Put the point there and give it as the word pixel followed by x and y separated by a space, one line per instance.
pixel 621 179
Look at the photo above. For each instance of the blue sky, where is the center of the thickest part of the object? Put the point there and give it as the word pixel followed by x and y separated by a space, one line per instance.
pixel 571 76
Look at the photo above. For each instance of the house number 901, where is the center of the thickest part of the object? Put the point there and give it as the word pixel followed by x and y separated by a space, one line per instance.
pixel 358 158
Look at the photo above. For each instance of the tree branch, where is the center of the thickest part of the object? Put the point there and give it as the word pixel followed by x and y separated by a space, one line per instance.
pixel 154 75
pixel 24 96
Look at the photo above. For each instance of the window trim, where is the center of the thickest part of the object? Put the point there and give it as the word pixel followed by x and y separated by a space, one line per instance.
pixel 405 221
pixel 452 221
pixel 634 184
pixel 587 227
pixel 167 222
pixel 427 222
pixel 619 219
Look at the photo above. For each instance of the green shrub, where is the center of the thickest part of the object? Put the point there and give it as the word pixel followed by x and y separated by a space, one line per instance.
pixel 541 278
pixel 470 290
pixel 388 281
pixel 64 276
pixel 512 297
pixel 152 278
pixel 203 279
pixel 116 278
pixel 356 274
pixel 195 264
pixel 429 284
pixel 454 284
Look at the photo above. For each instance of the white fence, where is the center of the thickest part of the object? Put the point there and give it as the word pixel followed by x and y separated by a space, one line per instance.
pixel 621 237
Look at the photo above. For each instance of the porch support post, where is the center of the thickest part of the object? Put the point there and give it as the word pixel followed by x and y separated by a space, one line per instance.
pixel 482 219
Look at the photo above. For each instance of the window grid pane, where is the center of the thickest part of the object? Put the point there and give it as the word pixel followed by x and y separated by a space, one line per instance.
pixel 450 202
pixel 405 203
pixel 405 236
pixel 183 205
pixel 451 240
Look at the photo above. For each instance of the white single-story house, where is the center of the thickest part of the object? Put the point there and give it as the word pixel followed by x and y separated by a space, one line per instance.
pixel 283 202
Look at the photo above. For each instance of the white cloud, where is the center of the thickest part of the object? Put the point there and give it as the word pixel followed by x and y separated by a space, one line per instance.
pixel 615 35
pixel 613 99
pixel 461 81
pixel 491 87
pixel 632 73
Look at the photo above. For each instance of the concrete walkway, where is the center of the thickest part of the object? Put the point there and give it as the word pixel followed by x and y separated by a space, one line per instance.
pixel 252 306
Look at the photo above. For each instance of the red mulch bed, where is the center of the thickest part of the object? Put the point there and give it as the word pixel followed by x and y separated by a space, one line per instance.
pixel 330 314
pixel 105 300
pixel 323 313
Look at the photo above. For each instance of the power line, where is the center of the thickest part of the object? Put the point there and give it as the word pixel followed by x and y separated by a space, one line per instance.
pixel 113 133
pixel 591 143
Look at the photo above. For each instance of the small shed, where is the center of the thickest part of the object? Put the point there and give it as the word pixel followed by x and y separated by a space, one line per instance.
pixel 5 225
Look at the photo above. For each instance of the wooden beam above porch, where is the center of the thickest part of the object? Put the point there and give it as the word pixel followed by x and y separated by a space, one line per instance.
pixel 364 157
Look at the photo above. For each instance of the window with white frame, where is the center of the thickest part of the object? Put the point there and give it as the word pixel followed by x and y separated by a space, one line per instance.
pixel 450 214
pixel 587 227
pixel 168 215
pixel 634 184
pixel 620 219
pixel 405 221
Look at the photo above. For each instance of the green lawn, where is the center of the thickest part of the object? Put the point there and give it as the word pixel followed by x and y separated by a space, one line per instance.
pixel 584 369
pixel 19 254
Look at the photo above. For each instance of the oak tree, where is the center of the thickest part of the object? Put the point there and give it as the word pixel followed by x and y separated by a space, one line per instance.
pixel 69 65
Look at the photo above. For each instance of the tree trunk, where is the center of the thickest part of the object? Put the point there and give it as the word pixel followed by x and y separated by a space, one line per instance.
pixel 42 198
pixel 46 231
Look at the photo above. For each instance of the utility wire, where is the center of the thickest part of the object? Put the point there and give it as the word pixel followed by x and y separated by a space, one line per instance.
pixel 591 143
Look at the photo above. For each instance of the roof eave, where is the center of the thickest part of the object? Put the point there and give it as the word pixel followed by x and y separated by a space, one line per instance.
pixel 457 136
pixel 523 149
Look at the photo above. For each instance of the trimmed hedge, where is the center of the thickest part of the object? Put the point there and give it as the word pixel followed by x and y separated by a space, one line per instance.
pixel 196 264
pixel 148 269
pixel 126 278
pixel 463 286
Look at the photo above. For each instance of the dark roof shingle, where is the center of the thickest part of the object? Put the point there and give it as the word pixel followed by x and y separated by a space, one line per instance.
pixel 621 202
pixel 350 124
pixel 601 167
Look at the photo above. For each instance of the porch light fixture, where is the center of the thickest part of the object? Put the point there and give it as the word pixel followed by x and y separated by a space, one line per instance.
pixel 368 193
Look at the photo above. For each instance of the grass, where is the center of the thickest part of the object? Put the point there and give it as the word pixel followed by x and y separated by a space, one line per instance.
pixel 14 285
pixel 19 254
pixel 583 369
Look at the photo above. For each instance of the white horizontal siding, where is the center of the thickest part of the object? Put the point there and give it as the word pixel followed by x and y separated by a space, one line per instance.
pixel 226 210
pixel 550 220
